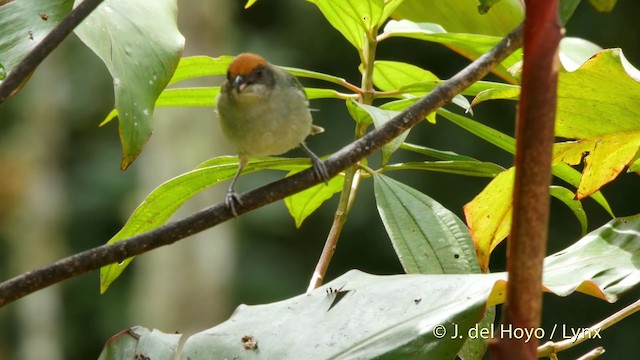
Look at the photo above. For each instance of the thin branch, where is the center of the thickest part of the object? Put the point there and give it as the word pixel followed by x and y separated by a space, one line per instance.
pixel 592 332
pixel 95 258
pixel 22 71
pixel 351 177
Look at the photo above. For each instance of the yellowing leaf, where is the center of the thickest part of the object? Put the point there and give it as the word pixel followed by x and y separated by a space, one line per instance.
pixel 604 157
pixel 489 216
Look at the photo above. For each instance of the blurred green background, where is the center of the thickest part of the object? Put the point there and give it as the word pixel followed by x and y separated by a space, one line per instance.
pixel 61 190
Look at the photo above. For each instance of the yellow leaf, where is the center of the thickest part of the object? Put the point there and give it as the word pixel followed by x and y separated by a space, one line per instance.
pixel 489 216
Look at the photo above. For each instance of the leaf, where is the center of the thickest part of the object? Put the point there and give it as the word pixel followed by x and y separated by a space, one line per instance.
pixel 306 202
pixel 435 153
pixel 603 5
pixel 485 5
pixel 568 198
pixel 23 25
pixel 461 16
pixel 467 168
pixel 140 343
pixel 575 51
pixel 398 316
pixel 352 18
pixel 167 198
pixel 428 238
pixel 411 80
pixel 199 66
pixel 470 46
pixel 379 117
pixel 140 44
pixel 607 157
pixel 597 104
pixel 250 3
pixel 489 216
pixel 602 264
pixel 507 143
pixel 390 317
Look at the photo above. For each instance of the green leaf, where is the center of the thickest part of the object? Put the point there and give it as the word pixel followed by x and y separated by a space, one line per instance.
pixel 428 238
pixel 635 163
pixel 359 114
pixel 567 8
pixel 412 81
pixel 352 18
pixel 603 5
pixel 568 198
pixel 200 66
pixel 467 168
pixel 435 153
pixel 318 76
pixel 250 3
pixel 461 16
pixel 166 199
pixel 497 94
pixel 305 203
pixel 485 5
pixel 470 46
pixel 379 117
pixel 23 25
pixel 140 44
pixel 476 345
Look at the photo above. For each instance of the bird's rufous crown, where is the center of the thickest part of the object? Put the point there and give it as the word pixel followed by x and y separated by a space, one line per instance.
pixel 245 63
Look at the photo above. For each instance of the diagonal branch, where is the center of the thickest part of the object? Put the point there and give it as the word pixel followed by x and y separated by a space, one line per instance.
pixel 95 258
pixel 20 73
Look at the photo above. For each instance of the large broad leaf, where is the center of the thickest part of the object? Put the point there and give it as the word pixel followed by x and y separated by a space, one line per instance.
pixel 23 25
pixel 400 316
pixel 140 44
pixel 598 104
pixel 428 238
pixel 167 198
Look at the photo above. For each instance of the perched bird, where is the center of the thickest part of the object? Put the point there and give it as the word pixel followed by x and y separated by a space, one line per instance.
pixel 264 111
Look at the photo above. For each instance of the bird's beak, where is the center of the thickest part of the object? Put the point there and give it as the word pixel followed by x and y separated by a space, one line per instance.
pixel 239 84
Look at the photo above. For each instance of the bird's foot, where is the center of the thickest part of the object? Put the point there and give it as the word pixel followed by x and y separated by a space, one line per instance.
pixel 232 199
pixel 320 170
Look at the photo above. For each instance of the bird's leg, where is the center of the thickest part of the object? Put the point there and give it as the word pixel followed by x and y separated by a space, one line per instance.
pixel 318 166
pixel 231 199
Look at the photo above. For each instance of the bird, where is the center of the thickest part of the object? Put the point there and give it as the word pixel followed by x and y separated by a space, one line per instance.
pixel 264 111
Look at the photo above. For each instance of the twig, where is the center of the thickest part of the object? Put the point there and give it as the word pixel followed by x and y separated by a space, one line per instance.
pixel 592 332
pixel 21 72
pixel 95 258
pixel 595 353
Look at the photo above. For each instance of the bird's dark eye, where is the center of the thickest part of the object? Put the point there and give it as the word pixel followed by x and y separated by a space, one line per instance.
pixel 259 72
